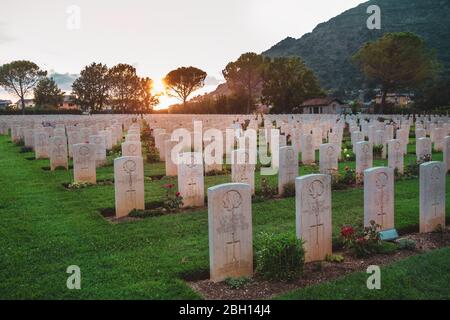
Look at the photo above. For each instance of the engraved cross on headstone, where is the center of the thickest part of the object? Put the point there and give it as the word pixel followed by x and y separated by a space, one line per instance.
pixel 316 190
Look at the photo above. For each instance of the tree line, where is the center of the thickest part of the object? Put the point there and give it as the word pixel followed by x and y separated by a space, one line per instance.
pixel 281 83
pixel 393 62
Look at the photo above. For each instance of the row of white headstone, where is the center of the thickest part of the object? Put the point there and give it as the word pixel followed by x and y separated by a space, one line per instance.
pixel 230 215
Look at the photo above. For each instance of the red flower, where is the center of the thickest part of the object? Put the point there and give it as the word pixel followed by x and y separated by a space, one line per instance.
pixel 178 194
pixel 169 186
pixel 361 239
pixel 347 231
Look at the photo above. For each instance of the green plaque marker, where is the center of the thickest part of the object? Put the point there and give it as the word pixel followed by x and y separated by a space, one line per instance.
pixel 388 235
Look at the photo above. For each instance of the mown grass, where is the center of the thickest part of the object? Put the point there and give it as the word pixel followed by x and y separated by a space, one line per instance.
pixel 44 228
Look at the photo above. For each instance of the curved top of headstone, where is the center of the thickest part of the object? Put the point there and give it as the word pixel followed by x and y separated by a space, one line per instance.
pixel 376 169
pixel 230 186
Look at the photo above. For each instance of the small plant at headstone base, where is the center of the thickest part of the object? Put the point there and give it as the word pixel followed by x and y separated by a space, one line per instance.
pixel 335 258
pixel 116 151
pixel 386 247
pixel 440 230
pixel 397 175
pixel 20 143
pixel 79 185
pixel 145 213
pixel 279 256
pixel 173 200
pixel 214 173
pixel 343 181
pixel 267 191
pixel 146 133
pixel 237 283
pixel 412 170
pixel 424 159
pixel 406 244
pixel 152 154
pixel 377 151
pixel 289 190
pixel 348 155
pixel 362 241
pixel 26 149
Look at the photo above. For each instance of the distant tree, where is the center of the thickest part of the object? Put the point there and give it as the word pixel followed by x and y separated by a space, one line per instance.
pixel 124 86
pixel 20 77
pixel 434 95
pixel 287 84
pixel 146 98
pixel 47 94
pixel 221 104
pixel 180 83
pixel 245 75
pixel 397 60
pixel 92 87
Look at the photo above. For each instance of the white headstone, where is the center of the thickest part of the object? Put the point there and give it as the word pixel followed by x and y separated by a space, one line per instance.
pixel 129 185
pixel 432 196
pixel 191 180
pixel 84 156
pixel 308 153
pixel 395 155
pixel 99 142
pixel 423 149
pixel 379 197
pixel 364 158
pixel 241 169
pixel 328 158
pixel 230 231
pixel 288 170
pixel 58 152
pixel 313 215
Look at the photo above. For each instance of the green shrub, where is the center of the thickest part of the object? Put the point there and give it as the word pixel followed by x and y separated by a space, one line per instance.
pixel 152 154
pixel 377 151
pixel 347 154
pixel 279 257
pixel 336 258
pixel 26 149
pixel 362 241
pixel 412 170
pixel 385 247
pixel 267 191
pixel 289 190
pixel 237 283
pixel 343 181
pixel 406 244
pixel 116 150
pixel 147 213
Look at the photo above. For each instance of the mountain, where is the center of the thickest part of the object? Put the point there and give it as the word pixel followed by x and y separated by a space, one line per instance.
pixel 327 50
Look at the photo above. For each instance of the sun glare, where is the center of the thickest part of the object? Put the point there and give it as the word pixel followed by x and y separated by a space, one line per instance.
pixel 158 87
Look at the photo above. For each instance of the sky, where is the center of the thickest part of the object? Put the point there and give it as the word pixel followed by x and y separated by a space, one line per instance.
pixel 63 36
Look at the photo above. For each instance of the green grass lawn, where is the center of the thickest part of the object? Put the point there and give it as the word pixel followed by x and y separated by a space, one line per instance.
pixel 44 228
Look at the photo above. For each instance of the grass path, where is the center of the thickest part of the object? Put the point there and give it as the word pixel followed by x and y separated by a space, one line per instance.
pixel 44 228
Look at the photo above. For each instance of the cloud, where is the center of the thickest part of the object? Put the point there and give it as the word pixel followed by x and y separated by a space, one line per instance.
pixel 4 37
pixel 63 80
pixel 213 81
